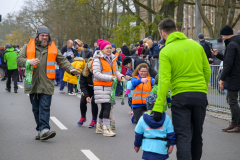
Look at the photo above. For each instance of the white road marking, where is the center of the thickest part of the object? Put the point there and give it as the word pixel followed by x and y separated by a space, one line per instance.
pixel 90 155
pixel 58 123
pixel 20 86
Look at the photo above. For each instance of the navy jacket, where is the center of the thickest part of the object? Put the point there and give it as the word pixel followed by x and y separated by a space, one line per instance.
pixel 154 50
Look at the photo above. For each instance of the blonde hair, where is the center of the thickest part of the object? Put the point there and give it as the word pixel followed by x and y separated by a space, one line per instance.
pixel 86 71
pixel 139 67
pixel 119 50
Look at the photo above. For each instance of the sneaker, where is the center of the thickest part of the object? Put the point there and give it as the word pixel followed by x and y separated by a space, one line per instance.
pixel 112 127
pixel 72 94
pixel 61 92
pixel 3 79
pixel 130 112
pixel 92 124
pixel 15 90
pixel 81 121
pixel 8 89
pixel 48 135
pixel 107 131
pixel 99 128
pixel 38 136
pixel 132 119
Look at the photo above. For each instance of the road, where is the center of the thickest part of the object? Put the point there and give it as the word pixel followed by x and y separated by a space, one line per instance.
pixel 17 133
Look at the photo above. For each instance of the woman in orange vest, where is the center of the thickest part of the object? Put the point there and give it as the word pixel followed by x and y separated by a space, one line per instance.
pixel 142 85
pixel 105 69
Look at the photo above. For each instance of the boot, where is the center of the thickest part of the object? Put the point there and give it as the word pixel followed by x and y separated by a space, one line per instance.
pixel 231 126
pixel 236 129
pixel 99 128
pixel 107 131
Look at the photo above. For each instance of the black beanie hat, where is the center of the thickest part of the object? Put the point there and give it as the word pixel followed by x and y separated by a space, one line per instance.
pixel 85 46
pixel 127 60
pixel 227 30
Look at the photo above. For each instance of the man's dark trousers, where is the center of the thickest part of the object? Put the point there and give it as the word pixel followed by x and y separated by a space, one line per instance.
pixel 12 73
pixel 41 109
pixel 188 114
pixel 234 107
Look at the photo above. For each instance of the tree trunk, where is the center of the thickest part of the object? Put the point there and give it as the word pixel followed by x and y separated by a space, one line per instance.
pixel 225 13
pixel 204 18
pixel 232 12
pixel 180 14
pixel 115 12
pixel 149 18
pixel 137 13
pixel 198 22
pixel 218 16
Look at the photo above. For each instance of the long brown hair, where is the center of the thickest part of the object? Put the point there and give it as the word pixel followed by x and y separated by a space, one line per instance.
pixel 142 65
pixel 86 71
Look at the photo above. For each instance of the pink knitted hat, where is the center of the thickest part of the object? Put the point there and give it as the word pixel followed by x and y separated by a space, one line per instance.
pixel 103 43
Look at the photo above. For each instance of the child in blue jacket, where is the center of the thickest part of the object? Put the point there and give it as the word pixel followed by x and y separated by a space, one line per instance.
pixel 156 138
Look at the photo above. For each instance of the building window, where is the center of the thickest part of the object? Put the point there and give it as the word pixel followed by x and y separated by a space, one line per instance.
pixel 205 9
pixel 189 16
pixel 194 15
pixel 175 15
pixel 211 15
pixel 184 17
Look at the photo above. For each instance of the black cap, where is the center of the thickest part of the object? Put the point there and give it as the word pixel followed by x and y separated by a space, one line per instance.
pixel 201 36
pixel 227 30
pixel 7 45
pixel 85 46
pixel 127 60
pixel 219 40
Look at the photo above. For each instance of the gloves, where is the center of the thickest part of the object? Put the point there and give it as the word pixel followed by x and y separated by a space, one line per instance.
pixel 157 116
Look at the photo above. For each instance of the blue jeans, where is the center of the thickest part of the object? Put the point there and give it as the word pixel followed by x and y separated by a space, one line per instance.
pixel 70 87
pixel 62 83
pixel 41 109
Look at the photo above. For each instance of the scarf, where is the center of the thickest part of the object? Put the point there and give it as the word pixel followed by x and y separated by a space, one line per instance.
pixel 108 58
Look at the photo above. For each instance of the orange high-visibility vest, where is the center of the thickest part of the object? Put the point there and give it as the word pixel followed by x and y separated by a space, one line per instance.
pixel 107 70
pixel 51 57
pixel 141 92
pixel 117 55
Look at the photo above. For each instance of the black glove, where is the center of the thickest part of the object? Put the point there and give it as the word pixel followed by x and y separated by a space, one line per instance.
pixel 157 116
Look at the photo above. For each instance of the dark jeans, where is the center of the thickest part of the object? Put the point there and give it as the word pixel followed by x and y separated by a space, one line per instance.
pixel 138 112
pixel 83 106
pixel 70 87
pixel 15 78
pixel 232 97
pixel 41 109
pixel 188 114
pixel 62 83
pixel 105 110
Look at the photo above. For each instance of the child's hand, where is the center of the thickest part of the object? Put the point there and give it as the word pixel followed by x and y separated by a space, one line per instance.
pixel 136 149
pixel 170 149
pixel 88 99
pixel 144 80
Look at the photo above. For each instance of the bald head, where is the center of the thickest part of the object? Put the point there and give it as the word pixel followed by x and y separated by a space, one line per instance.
pixel 69 44
pixel 124 44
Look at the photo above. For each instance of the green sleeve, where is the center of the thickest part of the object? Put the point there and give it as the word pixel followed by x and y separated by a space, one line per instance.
pixel 163 82
pixel 22 58
pixel 5 57
pixel 206 68
pixel 63 62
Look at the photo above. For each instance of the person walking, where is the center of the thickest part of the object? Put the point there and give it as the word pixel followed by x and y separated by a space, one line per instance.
pixel 230 77
pixel 105 70
pixel 85 53
pixel 42 54
pixel 184 66
pixel 3 65
pixel 10 57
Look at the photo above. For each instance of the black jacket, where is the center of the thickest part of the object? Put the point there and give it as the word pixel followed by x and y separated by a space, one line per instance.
pixel 138 61
pixel 86 85
pixel 157 55
pixel 125 51
pixel 231 64
pixel 64 49
pixel 85 54
pixel 145 52
pixel 2 53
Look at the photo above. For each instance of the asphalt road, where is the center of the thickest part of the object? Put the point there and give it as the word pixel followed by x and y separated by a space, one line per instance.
pixel 17 133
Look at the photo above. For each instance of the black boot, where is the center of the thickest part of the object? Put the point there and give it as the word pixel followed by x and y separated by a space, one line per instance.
pixel 15 90
pixel 8 89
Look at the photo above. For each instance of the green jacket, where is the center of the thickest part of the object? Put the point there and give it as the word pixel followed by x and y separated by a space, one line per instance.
pixel 40 83
pixel 10 58
pixel 183 66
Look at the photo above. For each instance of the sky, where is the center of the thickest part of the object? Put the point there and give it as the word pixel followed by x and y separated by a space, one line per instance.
pixel 10 6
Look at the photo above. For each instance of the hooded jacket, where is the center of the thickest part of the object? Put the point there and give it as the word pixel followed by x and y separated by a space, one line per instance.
pixel 10 57
pixel 183 66
pixel 102 93
pixel 125 51
pixel 149 128
pixel 231 64
pixel 79 63
pixel 2 53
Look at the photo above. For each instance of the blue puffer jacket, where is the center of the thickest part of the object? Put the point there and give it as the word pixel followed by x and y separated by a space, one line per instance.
pixel 149 128
pixel 154 50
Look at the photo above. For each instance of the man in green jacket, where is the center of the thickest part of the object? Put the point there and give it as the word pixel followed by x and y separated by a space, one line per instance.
pixel 10 58
pixel 184 67
pixel 42 87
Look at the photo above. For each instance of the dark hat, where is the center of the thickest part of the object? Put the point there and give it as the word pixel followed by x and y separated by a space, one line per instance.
pixel 7 45
pixel 161 42
pixel 150 37
pixel 44 29
pixel 156 79
pixel 85 46
pixel 219 40
pixel 127 60
pixel 201 36
pixel 227 30
pixel 113 45
pixel 141 42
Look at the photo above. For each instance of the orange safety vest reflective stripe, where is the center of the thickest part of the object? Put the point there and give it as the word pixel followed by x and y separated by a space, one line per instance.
pixel 141 92
pixel 107 70
pixel 51 57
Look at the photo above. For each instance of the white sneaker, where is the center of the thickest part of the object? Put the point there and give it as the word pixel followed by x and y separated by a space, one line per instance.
pixel 61 92
pixel 99 128
pixel 107 131
pixel 72 94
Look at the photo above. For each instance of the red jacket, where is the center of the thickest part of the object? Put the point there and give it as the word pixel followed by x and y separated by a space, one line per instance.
pixel 140 50
pixel 124 70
